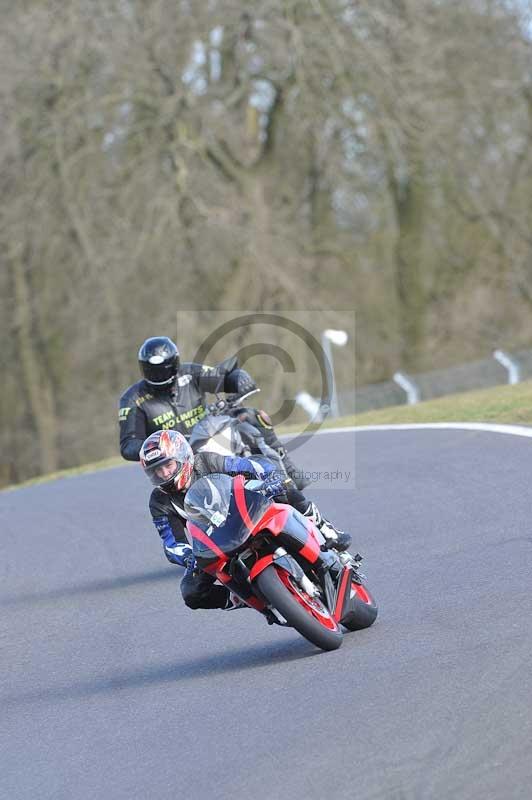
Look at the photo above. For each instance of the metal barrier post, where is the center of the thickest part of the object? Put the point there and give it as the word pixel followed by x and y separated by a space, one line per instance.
pixel 408 385
pixel 339 338
pixel 514 371
pixel 310 405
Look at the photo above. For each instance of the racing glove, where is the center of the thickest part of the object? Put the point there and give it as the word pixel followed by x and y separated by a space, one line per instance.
pixel 179 554
pixel 175 552
pixel 258 468
pixel 239 382
pixel 190 565
pixel 273 486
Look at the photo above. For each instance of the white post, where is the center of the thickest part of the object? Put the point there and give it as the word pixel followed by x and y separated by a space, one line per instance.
pixel 310 405
pixel 406 383
pixel 338 338
pixel 514 371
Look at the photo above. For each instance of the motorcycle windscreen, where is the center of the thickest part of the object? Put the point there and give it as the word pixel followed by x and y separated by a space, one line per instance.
pixel 207 428
pixel 212 505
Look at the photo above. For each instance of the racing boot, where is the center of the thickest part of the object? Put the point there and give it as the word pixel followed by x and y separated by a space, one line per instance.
pixel 234 601
pixel 339 540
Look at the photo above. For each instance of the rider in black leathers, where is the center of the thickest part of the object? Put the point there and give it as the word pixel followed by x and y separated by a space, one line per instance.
pixel 171 395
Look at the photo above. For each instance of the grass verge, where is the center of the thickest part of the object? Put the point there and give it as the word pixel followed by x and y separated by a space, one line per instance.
pixel 510 405
pixel 96 466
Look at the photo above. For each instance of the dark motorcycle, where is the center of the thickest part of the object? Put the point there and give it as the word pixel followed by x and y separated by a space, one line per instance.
pixel 223 431
pixel 269 555
pixel 226 431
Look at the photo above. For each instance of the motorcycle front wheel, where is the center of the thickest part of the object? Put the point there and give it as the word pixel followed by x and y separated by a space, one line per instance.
pixel 362 609
pixel 306 614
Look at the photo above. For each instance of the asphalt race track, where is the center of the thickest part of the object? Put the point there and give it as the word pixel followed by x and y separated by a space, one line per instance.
pixel 111 688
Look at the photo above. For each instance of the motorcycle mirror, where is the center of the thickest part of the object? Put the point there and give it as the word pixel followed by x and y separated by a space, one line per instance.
pixel 248 394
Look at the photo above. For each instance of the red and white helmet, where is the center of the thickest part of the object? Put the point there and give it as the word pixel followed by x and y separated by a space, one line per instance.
pixel 167 459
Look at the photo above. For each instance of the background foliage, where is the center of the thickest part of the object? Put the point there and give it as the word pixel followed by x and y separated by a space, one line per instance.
pixel 311 154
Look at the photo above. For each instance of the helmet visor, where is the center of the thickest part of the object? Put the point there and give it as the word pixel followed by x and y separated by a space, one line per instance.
pixel 159 372
pixel 164 471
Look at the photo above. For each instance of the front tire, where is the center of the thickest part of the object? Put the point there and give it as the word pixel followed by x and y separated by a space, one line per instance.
pixel 362 611
pixel 307 615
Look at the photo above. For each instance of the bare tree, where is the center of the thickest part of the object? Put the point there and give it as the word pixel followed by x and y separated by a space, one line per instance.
pixel 302 154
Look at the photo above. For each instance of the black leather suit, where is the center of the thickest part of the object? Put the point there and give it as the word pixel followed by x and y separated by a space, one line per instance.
pixel 144 410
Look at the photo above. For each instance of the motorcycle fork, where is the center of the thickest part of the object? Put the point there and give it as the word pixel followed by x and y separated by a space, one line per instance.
pixel 309 558
pixel 329 590
pixel 336 591
pixel 294 563
pixel 336 587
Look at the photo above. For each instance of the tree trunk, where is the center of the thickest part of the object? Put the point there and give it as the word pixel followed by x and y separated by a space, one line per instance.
pixel 36 386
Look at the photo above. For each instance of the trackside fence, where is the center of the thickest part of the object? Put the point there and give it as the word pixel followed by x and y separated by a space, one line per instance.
pixel 435 383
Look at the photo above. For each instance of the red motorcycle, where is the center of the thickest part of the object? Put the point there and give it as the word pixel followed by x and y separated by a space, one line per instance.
pixel 271 556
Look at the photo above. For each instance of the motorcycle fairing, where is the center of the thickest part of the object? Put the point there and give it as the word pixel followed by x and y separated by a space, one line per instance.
pixel 343 594
pixel 217 434
pixel 222 514
pixel 209 562
pixel 281 520
pixel 285 561
pixel 294 531
pixel 247 513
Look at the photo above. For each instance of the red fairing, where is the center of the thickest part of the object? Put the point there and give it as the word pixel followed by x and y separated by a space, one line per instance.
pixel 254 602
pixel 260 565
pixel 238 488
pixel 345 581
pixel 274 519
pixel 362 592
pixel 311 550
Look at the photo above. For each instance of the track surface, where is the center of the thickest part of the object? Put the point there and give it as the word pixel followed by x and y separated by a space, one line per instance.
pixel 112 689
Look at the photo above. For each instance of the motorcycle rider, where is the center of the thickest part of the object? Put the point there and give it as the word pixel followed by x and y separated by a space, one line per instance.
pixel 171 396
pixel 171 466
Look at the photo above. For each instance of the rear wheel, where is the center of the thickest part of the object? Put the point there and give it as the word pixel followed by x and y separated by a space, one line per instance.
pixel 306 614
pixel 363 609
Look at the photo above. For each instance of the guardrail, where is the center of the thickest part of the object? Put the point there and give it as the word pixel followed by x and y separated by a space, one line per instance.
pixel 502 368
